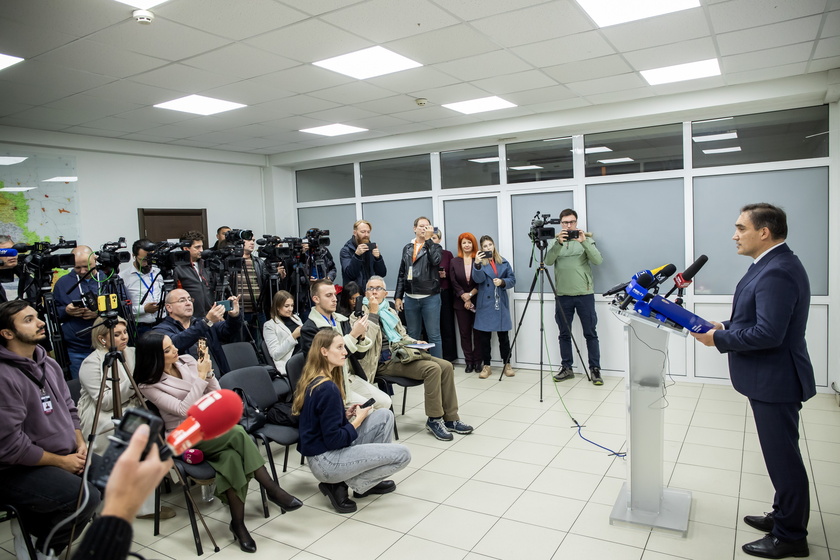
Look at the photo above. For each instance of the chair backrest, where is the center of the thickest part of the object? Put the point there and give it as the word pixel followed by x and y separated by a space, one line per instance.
pixel 75 387
pixel 294 369
pixel 240 355
pixel 255 381
pixel 267 360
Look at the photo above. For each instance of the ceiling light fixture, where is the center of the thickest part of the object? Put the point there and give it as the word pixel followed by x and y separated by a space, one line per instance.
pixel 334 130
pixel 597 150
pixel 716 137
pixel 525 167
pixel 200 105
pixel 682 72
pixel 368 63
pixel 11 160
pixel 492 103
pixel 612 12
pixel 7 60
pixel 16 189
pixel 723 150
pixel 61 180
pixel 615 160
pixel 485 159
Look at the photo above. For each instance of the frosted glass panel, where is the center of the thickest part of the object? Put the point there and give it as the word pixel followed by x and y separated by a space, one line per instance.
pixel 475 215
pixel 523 208
pixel 325 183
pixel 393 227
pixel 637 225
pixel 802 193
pixel 338 219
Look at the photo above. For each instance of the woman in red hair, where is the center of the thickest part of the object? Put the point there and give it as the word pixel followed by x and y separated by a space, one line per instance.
pixel 464 290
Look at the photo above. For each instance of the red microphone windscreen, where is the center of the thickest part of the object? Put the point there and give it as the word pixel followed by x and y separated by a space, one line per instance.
pixel 217 412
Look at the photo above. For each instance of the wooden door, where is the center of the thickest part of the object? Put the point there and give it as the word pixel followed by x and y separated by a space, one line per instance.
pixel 160 224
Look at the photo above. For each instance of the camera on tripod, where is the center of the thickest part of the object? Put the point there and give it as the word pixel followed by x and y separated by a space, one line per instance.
pixel 40 255
pixel 238 235
pixel 539 231
pixel 317 238
pixel 109 257
pixel 276 249
pixel 166 256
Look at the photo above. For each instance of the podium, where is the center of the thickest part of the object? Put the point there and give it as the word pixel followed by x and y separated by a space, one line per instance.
pixel 644 500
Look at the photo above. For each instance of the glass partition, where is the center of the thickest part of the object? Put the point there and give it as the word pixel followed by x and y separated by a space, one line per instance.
pixel 638 150
pixel 542 160
pixel 396 175
pixel 469 168
pixel 325 183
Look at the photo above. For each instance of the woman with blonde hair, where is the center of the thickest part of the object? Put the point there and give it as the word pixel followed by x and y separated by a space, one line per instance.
pixel 345 447
pixel 494 277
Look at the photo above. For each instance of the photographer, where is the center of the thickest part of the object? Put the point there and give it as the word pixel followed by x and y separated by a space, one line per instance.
pixel 319 263
pixel 141 280
pixel 72 312
pixel 250 284
pixel 361 259
pixel 573 253
pixel 193 277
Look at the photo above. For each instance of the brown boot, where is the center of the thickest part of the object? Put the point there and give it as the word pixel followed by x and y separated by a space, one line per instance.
pixel 485 372
pixel 508 371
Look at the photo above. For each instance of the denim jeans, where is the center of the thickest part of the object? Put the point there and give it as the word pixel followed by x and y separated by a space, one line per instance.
pixel 424 313
pixel 76 359
pixel 585 308
pixel 366 462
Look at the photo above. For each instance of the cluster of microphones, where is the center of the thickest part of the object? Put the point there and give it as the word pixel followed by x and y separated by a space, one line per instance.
pixel 642 290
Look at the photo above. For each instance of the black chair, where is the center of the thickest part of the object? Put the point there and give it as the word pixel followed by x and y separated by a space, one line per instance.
pixel 294 369
pixel 201 474
pixel 256 383
pixel 386 383
pixel 75 387
pixel 243 354
pixel 11 512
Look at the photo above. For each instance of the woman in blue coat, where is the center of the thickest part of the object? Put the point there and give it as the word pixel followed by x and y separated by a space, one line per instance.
pixel 494 277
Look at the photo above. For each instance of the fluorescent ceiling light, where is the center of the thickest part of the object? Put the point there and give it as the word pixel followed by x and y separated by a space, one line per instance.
pixel 682 72
pixel 615 160
pixel 557 139
pixel 16 189
pixel 484 159
pixel 491 103
pixel 715 137
pixel 723 150
pixel 8 60
pixel 596 150
pixel 333 130
pixel 11 160
pixel 142 4
pixel 200 105
pixel 368 63
pixel 526 167
pixel 61 180
pixel 713 120
pixel 613 12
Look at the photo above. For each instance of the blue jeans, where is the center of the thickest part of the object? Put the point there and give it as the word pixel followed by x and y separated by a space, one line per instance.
pixel 585 308
pixel 424 312
pixel 366 462
pixel 76 359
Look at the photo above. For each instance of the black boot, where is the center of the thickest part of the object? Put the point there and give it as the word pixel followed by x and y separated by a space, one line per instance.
pixel 339 498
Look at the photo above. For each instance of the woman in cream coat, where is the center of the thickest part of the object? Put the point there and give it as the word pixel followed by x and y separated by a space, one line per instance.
pixel 282 332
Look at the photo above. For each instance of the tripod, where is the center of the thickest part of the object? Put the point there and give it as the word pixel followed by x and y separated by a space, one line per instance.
pixel 542 274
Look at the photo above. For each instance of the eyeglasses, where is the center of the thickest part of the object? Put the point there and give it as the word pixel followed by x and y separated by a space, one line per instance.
pixel 183 300
pixel 376 289
pixel 571 223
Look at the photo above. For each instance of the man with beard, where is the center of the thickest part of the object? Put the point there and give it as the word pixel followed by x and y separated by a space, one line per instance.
pixel 42 450
pixel 360 259
pixel 142 280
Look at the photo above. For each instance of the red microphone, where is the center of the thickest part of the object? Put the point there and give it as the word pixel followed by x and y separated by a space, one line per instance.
pixel 211 416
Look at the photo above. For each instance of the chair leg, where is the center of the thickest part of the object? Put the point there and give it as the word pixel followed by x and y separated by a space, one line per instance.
pixel 396 431
pixel 264 501
pixel 13 514
pixel 405 395
pixel 156 531
pixel 270 457
pixel 285 460
pixel 191 512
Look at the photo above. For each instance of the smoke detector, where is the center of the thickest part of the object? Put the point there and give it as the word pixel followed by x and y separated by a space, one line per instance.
pixel 422 101
pixel 143 17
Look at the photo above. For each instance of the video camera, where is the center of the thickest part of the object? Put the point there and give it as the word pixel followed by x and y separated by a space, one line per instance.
pixel 166 256
pixel 238 235
pixel 109 258
pixel 277 249
pixel 228 257
pixel 39 255
pixel 539 231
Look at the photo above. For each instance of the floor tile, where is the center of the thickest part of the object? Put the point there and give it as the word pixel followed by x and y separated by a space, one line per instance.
pixel 454 527
pixel 484 497
pixel 512 540
pixel 703 542
pixel 545 510
pixel 509 473
pixel 579 546
pixel 413 548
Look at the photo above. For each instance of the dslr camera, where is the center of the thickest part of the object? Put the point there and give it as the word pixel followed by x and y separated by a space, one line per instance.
pixel 539 230
pixel 109 257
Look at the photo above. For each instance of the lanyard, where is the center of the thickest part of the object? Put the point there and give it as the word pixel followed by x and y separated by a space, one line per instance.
pixel 150 289
pixel 46 401
pixel 330 320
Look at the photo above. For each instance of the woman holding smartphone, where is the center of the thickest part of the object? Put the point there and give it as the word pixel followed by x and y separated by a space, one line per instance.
pixel 173 384
pixel 345 448
pixel 282 332
pixel 494 277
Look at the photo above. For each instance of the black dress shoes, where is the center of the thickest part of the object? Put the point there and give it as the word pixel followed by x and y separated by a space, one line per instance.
pixel 468 368
pixel 384 487
pixel 771 547
pixel 290 504
pixel 246 543
pixel 760 522
pixel 338 496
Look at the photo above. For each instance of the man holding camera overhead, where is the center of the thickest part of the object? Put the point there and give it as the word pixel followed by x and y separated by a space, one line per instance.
pixel 573 253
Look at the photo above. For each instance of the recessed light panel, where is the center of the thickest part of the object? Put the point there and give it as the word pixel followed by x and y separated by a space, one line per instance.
pixel 11 160
pixel 368 63
pixel 525 167
pixel 484 159
pixel 16 189
pixel 723 150
pixel 715 137
pixel 597 150
pixel 142 4
pixel 334 130
pixel 481 105
pixel 200 105
pixel 8 60
pixel 682 72
pixel 615 160
pixel 612 12
pixel 61 180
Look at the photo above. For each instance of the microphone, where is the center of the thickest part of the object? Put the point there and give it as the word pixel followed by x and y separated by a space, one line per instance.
pixel 11 252
pixel 637 289
pixel 683 279
pixel 211 416
pixel 621 287
pixel 662 273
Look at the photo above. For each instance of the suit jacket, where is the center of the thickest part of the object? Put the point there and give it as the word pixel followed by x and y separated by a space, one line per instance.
pixel 459 282
pixel 198 288
pixel 765 337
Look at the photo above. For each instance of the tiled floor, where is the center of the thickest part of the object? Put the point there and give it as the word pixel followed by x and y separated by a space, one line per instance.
pixel 525 485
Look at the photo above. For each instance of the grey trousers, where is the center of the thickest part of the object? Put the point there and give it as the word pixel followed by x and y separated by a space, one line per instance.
pixel 369 460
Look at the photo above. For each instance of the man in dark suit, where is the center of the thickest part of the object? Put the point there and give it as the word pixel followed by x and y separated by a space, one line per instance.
pixel 769 364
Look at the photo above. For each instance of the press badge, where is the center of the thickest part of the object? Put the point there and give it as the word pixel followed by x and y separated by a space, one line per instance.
pixel 410 275
pixel 46 404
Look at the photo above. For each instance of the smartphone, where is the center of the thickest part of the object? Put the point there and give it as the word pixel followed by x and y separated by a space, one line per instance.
pixel 436 231
pixel 371 246
pixel 226 303
pixel 201 346
pixel 360 301
pixel 485 255
pixel 367 403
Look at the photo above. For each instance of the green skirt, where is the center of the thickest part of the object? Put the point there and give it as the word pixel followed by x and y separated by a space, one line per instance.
pixel 235 457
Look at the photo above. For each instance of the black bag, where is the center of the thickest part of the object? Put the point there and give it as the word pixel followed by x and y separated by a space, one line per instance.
pixel 281 414
pixel 253 418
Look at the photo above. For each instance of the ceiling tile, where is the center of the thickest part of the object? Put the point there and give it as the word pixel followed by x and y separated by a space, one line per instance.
pixel 620 96
pixel 588 69
pixel 89 56
pixel 425 114
pixel 768 36
pixel 415 79
pixel 604 85
pixel 581 46
pixel 234 20
pixel 159 116
pixel 743 14
pixel 469 10
pixel 541 95
pixel 29 123
pixel 58 116
pixel 769 57
pixel 120 124
pixel 65 17
pixel 520 81
pixel 823 64
pixel 185 129
pixel 55 78
pixel 143 137
pixel 670 55
pixel 134 92
pixel 298 105
pixel 302 79
pixel 828 47
pixel 452 94
pixel 315 7
pixel 249 92
pixel 770 73
pixel 440 45
pixel 559 105
pixel 831 27
pixel 84 102
pixel 310 41
pixel 87 131
pixel 16 92
pixel 660 30
pixel 183 78
pixel 379 122
pixel 389 105
pixel 163 39
pixel 10 108
pixel 537 23
pixel 384 20
pixel 484 65
pixel 356 92
pixel 26 41
pixel 346 115
pixel 241 61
